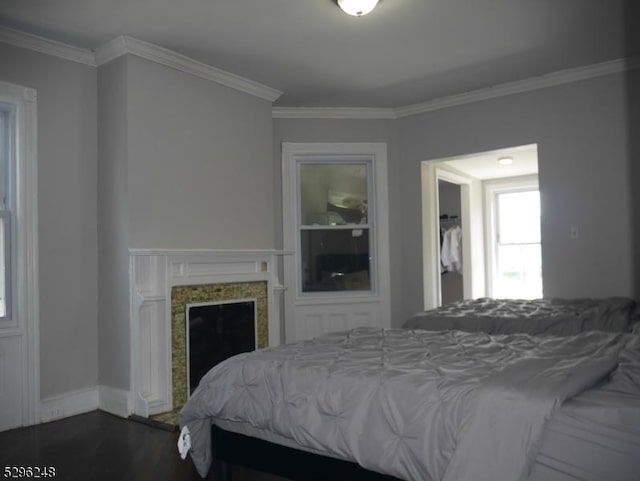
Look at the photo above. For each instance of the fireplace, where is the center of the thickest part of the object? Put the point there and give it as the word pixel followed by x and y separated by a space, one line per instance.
pixel 217 331
pixel 165 285
pixel 182 297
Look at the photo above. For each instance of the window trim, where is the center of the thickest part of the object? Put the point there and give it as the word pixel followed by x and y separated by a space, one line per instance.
pixel 7 130
pixel 377 153
pixel 491 189
pixel 24 231
pixel 5 217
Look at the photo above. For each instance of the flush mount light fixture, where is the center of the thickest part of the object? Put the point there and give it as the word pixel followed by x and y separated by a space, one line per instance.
pixel 505 160
pixel 357 8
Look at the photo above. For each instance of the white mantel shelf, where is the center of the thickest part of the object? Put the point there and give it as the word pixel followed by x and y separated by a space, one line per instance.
pixel 153 273
pixel 213 252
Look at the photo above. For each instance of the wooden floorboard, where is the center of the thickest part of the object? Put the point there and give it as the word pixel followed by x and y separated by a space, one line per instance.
pixel 99 446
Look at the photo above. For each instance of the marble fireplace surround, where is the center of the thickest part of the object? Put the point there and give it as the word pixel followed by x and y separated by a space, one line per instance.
pixel 212 275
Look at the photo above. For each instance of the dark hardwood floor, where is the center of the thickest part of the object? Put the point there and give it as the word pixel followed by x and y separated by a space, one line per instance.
pixel 99 446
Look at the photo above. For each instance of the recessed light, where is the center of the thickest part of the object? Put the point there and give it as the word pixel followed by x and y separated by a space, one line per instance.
pixel 505 160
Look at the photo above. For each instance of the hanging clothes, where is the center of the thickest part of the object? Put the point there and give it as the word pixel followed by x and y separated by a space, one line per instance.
pixel 451 250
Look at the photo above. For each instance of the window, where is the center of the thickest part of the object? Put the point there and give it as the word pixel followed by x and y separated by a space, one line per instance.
pixel 6 121
pixel 19 306
pixel 515 269
pixel 334 226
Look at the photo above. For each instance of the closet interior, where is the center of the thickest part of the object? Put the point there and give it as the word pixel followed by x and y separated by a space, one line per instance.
pixel 449 201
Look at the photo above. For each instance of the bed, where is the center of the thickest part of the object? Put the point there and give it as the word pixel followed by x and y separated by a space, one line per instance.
pixel 536 316
pixel 419 404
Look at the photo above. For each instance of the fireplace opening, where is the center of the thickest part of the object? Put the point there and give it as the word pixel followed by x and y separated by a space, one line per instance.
pixel 217 331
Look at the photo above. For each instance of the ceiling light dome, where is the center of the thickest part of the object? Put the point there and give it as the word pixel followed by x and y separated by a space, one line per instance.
pixel 505 160
pixel 357 8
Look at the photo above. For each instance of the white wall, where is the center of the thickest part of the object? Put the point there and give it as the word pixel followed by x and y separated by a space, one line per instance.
pixel 583 157
pixel 67 171
pixel 331 130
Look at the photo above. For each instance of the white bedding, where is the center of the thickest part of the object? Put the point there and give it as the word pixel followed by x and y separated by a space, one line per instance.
pixel 594 437
pixel 418 405
pixel 561 317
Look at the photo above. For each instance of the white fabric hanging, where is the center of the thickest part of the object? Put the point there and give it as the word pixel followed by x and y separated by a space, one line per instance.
pixel 451 251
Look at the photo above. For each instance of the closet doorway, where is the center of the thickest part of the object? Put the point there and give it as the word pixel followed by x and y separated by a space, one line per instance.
pixel 451 258
pixel 463 276
pixel 453 196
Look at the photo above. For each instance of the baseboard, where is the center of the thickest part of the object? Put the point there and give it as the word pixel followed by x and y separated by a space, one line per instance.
pixel 115 401
pixel 110 399
pixel 68 404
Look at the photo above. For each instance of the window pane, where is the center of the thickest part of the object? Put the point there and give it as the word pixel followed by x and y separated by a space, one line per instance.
pixel 4 161
pixel 519 272
pixel 519 217
pixel 5 201
pixel 335 260
pixel 333 194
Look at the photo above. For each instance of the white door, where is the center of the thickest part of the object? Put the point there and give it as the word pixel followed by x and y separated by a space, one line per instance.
pixel 19 382
pixel 335 222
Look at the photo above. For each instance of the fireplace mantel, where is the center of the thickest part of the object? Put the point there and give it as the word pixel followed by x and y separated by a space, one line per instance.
pixel 153 273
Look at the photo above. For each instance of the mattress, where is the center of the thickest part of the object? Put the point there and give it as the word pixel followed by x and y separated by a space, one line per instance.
pixel 562 317
pixel 422 405
pixel 593 437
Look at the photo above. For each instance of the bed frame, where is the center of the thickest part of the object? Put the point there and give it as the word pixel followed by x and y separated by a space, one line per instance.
pixel 232 448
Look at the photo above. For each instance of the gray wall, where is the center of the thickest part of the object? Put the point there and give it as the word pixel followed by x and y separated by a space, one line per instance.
pixel 184 164
pixel 200 175
pixel 67 170
pixel 581 132
pixel 632 86
pixel 113 225
pixel 318 130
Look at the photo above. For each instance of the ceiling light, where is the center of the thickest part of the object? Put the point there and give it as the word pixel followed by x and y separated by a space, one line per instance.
pixel 357 8
pixel 505 160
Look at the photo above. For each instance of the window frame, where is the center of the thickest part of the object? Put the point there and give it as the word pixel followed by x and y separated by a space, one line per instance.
pixel 5 251
pixel 23 326
pixel 492 188
pixel 7 204
pixel 345 159
pixel 309 316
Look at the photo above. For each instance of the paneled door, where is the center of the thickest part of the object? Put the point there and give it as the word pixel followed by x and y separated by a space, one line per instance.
pixel 335 222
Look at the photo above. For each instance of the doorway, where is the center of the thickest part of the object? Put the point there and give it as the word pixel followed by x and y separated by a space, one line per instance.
pixel 464 178
pixel 451 257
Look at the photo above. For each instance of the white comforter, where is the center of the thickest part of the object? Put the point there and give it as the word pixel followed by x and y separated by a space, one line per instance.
pixel 418 405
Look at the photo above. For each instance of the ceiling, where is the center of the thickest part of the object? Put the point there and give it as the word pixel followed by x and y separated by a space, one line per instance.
pixel 485 166
pixel 404 52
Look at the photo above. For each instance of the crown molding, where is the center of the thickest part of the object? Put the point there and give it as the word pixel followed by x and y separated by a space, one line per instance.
pixel 46 46
pixel 360 113
pixel 127 45
pixel 553 79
